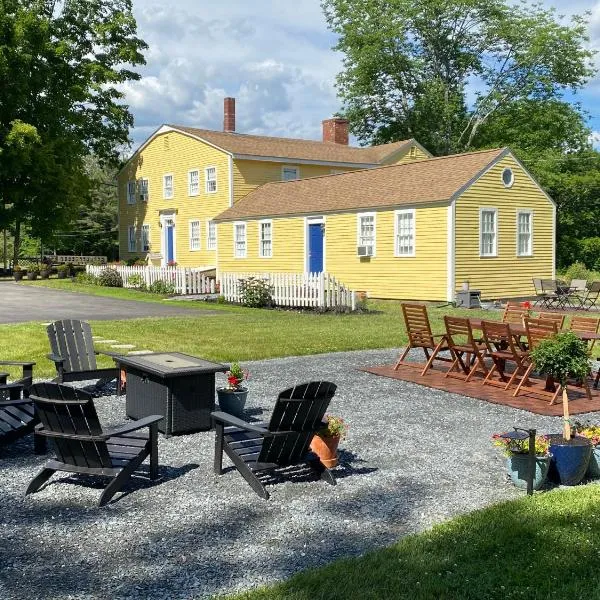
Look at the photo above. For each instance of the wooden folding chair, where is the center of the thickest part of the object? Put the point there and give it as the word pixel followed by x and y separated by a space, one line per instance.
pixel 419 334
pixel 584 325
pixel 501 347
pixel 558 318
pixel 459 336
pixel 514 313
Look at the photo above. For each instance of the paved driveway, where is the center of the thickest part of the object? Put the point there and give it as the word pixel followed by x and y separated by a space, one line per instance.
pixel 20 303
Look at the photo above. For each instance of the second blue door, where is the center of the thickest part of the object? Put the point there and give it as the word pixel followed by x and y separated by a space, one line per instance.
pixel 315 248
pixel 170 249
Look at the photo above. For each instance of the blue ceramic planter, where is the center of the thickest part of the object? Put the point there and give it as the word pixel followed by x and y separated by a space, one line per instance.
pixel 570 459
pixel 518 467
pixel 232 402
pixel 593 470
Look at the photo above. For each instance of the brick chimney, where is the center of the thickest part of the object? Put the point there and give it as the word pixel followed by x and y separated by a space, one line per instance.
pixel 335 131
pixel 229 115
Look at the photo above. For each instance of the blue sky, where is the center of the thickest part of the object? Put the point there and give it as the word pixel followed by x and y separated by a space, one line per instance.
pixel 274 56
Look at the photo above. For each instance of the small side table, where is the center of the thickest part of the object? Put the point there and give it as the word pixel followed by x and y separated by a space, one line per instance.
pixel 178 386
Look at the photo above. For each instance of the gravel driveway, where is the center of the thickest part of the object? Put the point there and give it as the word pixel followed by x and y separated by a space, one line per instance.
pixel 414 457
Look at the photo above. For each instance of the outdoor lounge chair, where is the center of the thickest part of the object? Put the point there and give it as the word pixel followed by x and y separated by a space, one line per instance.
pixel 68 417
pixel 256 449
pixel 73 353
pixel 419 334
pixel 461 343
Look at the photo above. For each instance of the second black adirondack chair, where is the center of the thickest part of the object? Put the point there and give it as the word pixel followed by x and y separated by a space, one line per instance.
pixel 254 449
pixel 17 415
pixel 74 355
pixel 69 419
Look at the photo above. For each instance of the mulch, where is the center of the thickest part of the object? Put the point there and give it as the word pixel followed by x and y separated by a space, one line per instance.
pixel 532 398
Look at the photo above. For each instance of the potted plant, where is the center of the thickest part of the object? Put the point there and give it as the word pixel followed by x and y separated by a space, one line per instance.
pixel 565 356
pixel 18 273
pixel 62 271
pixel 32 274
pixel 517 459
pixel 232 397
pixel 592 433
pixel 325 442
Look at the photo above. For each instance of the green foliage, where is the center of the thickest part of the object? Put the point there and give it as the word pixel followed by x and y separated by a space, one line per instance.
pixel 110 278
pixel 512 446
pixel 563 356
pixel 86 279
pixel 255 293
pixel 577 271
pixel 161 287
pixel 136 281
pixel 336 427
pixel 236 376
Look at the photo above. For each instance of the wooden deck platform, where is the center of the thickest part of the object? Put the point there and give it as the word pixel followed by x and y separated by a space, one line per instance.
pixel 526 400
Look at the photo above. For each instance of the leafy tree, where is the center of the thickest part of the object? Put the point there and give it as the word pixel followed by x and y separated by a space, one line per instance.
pixel 61 68
pixel 408 65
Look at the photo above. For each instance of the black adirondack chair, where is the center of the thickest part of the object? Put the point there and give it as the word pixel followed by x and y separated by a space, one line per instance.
pixel 17 415
pixel 69 419
pixel 254 448
pixel 74 355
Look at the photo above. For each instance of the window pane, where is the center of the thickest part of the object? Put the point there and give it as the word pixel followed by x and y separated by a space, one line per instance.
pixel 240 240
pixel 146 238
pixel 168 186
pixel 194 182
pixel 265 240
pixel 211 240
pixel 290 173
pixel 405 234
pixel 132 240
pixel 488 233
pixel 367 231
pixel 194 235
pixel 131 192
pixel 211 180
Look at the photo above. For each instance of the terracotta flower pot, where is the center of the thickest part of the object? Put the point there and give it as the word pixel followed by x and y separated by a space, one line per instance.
pixel 326 449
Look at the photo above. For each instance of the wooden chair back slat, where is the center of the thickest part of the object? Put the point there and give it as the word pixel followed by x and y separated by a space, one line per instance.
pixel 558 318
pixel 538 330
pixel 299 410
pixel 63 409
pixel 417 325
pixel 514 313
pixel 498 335
pixel 72 340
pixel 458 331
pixel 585 324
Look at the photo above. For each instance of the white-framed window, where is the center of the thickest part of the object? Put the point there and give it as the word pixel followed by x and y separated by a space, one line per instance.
pixel 131 188
pixel 365 231
pixel 168 187
pixel 524 233
pixel 239 240
pixel 211 235
pixel 195 235
pixel 404 234
pixel 131 239
pixel 210 174
pixel 265 239
pixel 508 177
pixel 143 189
pixel 145 238
pixel 488 232
pixel 193 182
pixel 289 173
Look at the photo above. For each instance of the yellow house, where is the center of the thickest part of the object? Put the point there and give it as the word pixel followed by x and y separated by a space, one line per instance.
pixel 413 230
pixel 181 178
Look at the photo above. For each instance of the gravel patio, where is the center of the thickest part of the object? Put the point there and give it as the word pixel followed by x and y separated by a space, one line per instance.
pixel 414 457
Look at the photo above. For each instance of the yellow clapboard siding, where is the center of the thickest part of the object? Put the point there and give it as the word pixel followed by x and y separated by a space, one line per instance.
pixel 406 157
pixel 173 153
pixel 506 275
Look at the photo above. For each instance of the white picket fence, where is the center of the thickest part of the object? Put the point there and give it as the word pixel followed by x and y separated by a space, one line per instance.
pixel 317 290
pixel 186 280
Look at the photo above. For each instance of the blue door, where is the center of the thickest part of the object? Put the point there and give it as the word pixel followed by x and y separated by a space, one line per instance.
pixel 170 251
pixel 315 248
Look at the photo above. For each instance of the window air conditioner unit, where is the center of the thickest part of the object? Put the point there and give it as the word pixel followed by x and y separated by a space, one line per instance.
pixel 364 250
pixel 143 197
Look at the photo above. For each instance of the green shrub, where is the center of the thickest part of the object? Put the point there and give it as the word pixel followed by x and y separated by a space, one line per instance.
pixel 110 278
pixel 136 281
pixel 130 262
pixel 256 293
pixel 86 279
pixel 577 271
pixel 161 287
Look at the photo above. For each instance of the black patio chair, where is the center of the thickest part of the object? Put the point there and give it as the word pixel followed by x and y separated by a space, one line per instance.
pixel 69 419
pixel 255 448
pixel 589 298
pixel 74 355
pixel 540 296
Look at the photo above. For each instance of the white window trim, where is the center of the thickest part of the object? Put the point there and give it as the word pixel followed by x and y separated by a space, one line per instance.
pixel 199 235
pixel 129 240
pixel 165 175
pixel 208 247
pixel 414 219
pixel 525 211
pixel 295 167
pixel 190 182
pixel 358 229
pixel 483 209
pixel 235 223
pixel 147 227
pixel 206 180
pixel 512 181
pixel 147 188
pixel 131 198
pixel 260 248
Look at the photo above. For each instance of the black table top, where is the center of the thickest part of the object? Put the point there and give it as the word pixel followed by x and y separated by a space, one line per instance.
pixel 171 364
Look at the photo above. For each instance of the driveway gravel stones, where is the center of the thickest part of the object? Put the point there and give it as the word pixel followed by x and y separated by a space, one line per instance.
pixel 414 457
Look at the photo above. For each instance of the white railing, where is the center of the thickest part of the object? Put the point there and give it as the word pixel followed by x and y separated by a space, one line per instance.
pixel 185 280
pixel 317 290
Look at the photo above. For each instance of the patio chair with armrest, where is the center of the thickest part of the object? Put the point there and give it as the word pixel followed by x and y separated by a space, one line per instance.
pixel 589 298
pixel 461 343
pixel 419 334
pixel 540 295
pixel 553 299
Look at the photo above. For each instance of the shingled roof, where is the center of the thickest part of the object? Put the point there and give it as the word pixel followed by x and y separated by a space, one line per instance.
pixel 418 182
pixel 289 148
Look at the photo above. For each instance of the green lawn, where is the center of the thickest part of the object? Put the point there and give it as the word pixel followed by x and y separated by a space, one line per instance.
pixel 547 546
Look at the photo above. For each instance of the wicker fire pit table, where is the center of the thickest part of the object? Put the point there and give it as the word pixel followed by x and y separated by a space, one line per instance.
pixel 178 386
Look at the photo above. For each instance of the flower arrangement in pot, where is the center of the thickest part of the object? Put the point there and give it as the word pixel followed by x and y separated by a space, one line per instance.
pixel 592 433
pixel 517 458
pixel 232 397
pixel 565 356
pixel 326 441
pixel 33 273
pixel 18 272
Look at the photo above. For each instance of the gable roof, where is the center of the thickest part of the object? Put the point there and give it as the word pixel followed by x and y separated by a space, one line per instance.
pixel 419 182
